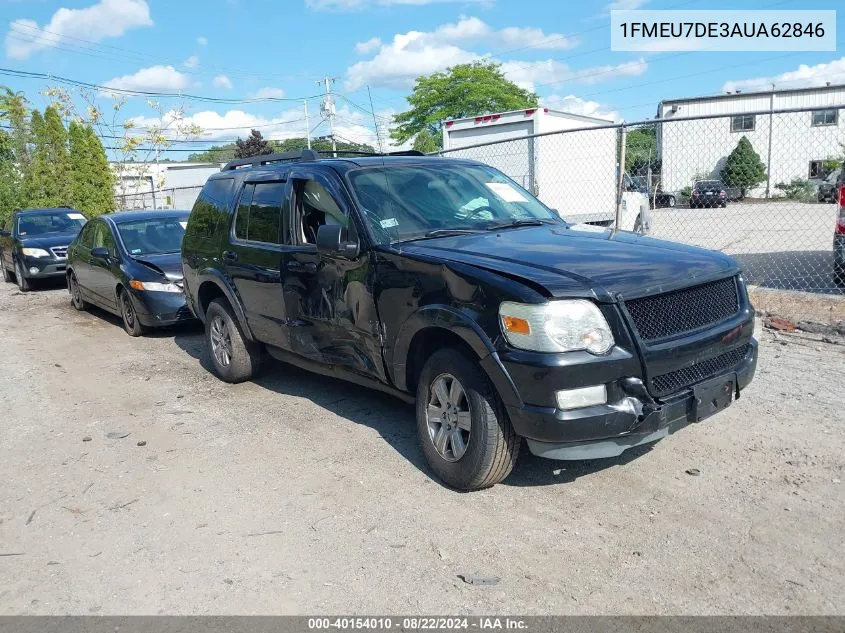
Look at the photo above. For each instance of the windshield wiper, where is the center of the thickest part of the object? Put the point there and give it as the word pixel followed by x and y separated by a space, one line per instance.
pixel 448 232
pixel 522 222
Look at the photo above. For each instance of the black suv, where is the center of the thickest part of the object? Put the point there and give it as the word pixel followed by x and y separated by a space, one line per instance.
pixel 34 243
pixel 445 283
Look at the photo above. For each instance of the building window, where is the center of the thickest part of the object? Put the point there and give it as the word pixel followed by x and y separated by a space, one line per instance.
pixel 821 169
pixel 742 123
pixel 825 117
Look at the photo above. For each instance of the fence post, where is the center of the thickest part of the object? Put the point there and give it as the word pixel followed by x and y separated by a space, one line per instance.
pixel 620 179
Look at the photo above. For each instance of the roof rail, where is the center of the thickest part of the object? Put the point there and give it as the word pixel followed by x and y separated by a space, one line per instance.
pixel 355 152
pixel 305 155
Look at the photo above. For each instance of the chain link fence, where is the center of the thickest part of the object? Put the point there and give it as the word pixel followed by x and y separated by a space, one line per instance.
pixel 760 186
pixel 161 199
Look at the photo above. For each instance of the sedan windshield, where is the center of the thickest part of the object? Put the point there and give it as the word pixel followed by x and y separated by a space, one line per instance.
pixel 153 236
pixel 416 201
pixel 45 224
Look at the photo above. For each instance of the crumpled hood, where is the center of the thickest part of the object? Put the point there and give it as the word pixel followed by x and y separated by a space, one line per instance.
pixel 168 263
pixel 571 262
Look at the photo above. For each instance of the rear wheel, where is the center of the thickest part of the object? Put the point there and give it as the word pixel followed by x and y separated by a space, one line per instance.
pixel 131 323
pixel 670 201
pixel 24 284
pixel 464 431
pixel 233 357
pixel 76 299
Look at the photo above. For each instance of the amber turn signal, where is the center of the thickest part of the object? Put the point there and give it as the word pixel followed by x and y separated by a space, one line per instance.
pixel 516 325
pixel 138 285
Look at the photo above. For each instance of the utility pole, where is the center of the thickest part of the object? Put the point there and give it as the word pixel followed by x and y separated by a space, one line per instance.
pixel 327 109
pixel 307 124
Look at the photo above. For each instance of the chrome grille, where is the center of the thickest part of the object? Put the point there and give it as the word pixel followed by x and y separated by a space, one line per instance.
pixel 684 310
pixel 60 252
pixel 680 379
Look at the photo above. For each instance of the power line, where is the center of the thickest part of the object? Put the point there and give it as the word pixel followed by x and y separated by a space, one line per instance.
pixel 146 93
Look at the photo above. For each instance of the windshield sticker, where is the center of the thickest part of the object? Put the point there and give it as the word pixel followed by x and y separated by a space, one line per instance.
pixel 75 216
pixel 389 223
pixel 505 192
pixel 184 225
pixel 135 251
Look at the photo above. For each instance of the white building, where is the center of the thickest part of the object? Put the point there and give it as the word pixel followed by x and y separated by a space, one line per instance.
pixel 793 145
pixel 160 185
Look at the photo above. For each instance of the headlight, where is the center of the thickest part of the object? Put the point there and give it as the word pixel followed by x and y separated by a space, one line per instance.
pixel 556 326
pixel 154 286
pixel 35 252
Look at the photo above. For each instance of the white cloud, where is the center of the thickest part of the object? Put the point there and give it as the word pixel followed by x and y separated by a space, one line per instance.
pixel 103 20
pixel 576 105
pixel 223 82
pixel 409 55
pixel 350 5
pixel 154 79
pixel 267 93
pixel 551 72
pixel 802 77
pixel 362 48
pixel 192 62
pixel 202 41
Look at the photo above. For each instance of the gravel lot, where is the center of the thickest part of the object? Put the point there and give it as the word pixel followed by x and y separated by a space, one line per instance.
pixel 301 494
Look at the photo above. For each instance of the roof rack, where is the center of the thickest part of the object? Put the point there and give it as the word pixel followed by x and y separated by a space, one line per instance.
pixel 407 152
pixel 305 155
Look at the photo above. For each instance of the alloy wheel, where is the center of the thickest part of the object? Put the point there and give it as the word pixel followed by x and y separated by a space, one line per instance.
pixel 128 312
pixel 221 341
pixel 448 417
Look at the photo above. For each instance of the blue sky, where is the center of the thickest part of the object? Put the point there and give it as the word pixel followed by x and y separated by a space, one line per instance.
pixel 254 53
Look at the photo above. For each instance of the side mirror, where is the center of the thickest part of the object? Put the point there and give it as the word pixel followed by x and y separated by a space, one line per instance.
pixel 330 242
pixel 100 252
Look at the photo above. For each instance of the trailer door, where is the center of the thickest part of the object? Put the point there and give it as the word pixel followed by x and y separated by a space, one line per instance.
pixel 514 158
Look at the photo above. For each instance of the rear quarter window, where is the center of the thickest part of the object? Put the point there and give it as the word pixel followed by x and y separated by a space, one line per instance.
pixel 210 210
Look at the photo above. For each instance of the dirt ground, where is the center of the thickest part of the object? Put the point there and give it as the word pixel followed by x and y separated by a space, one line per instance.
pixel 300 494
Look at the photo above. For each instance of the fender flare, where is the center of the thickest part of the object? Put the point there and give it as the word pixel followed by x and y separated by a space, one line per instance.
pixel 436 316
pixel 211 275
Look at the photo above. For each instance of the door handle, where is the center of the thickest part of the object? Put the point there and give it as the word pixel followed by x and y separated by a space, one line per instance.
pixel 230 256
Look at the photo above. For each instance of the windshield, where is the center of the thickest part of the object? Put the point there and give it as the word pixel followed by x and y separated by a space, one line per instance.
pixel 414 201
pixel 44 224
pixel 153 236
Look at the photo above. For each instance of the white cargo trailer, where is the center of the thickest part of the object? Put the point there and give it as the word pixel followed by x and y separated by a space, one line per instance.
pixel 574 172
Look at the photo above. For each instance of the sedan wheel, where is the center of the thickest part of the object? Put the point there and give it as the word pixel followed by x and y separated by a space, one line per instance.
pixel 75 293
pixel 670 202
pixel 131 323
pixel 448 417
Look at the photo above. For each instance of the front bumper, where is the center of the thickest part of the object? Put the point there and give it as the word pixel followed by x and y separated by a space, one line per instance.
pixel 158 309
pixel 48 267
pixel 631 416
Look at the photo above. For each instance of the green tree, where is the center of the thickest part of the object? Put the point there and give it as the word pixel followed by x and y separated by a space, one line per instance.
pixel 426 142
pixel 14 150
pixel 253 145
pixel 323 145
pixel 743 167
pixel 641 150
pixel 56 150
pixel 92 181
pixel 8 178
pixel 460 91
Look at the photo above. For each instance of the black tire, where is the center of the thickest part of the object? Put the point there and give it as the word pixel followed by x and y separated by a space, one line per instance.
pixel 492 446
pixel 222 329
pixel 8 277
pixel 24 284
pixel 76 299
pixel 129 315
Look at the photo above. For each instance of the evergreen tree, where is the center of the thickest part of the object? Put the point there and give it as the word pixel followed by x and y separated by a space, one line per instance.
pixel 743 167
pixel 92 182
pixel 254 145
pixel 58 184
pixel 35 172
pixel 8 179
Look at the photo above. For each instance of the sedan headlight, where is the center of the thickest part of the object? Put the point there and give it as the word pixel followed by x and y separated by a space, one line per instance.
pixel 35 252
pixel 154 286
pixel 556 326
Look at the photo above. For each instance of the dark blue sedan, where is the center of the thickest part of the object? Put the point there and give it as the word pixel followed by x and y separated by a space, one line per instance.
pixel 128 263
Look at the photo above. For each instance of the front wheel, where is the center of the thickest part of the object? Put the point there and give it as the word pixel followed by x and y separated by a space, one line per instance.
pixel 463 427
pixel 131 323
pixel 76 299
pixel 24 284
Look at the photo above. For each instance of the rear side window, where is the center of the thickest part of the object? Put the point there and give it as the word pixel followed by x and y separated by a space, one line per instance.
pixel 86 238
pixel 210 208
pixel 262 214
